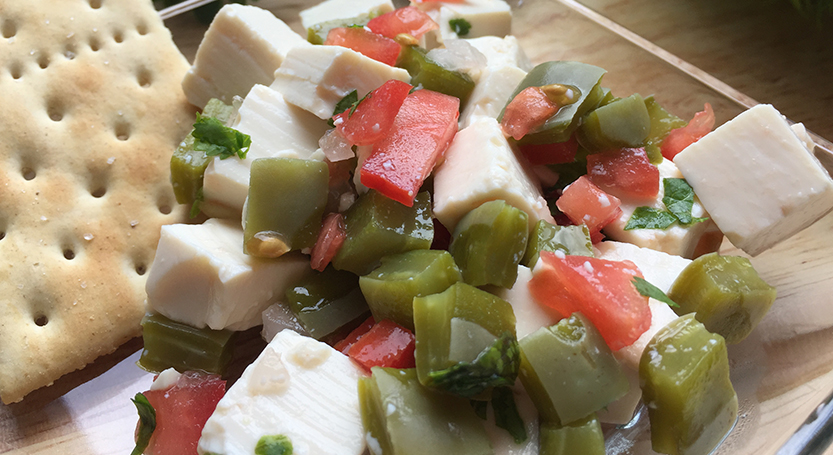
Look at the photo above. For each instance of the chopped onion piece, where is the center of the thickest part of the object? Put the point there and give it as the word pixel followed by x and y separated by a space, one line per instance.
pixel 278 317
pixel 335 147
pixel 458 55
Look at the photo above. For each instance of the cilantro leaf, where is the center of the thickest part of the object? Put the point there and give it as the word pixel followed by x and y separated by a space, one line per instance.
pixel 216 139
pixel 274 445
pixel 480 408
pixel 356 104
pixel 460 26
pixel 679 199
pixel 650 218
pixel 147 423
pixel 506 414
pixel 345 103
pixel 649 290
pixel 496 366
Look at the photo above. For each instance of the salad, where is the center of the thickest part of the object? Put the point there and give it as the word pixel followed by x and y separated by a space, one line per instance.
pixel 450 250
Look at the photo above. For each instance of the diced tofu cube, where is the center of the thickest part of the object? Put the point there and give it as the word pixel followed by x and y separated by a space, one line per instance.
pixel 297 387
pixel 676 239
pixel 757 179
pixel 487 17
pixel 277 129
pixel 658 268
pixel 243 46
pixel 316 78
pixel 201 277
pixel 491 93
pixel 529 314
pixel 500 52
pixel 481 166
pixel 330 10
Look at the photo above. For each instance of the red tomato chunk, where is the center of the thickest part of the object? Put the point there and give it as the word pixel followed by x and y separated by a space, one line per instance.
pixel 373 116
pixel 330 238
pixel 387 344
pixel 181 412
pixel 680 138
pixel 408 20
pixel 344 345
pixel 369 44
pixel 625 173
pixel 585 203
pixel 527 110
pixel 423 129
pixel 558 153
pixel 601 290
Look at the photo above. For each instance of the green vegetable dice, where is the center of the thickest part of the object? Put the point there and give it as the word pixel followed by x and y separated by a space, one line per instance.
pixel 574 240
pixel 402 417
pixel 465 341
pixel 274 445
pixel 326 301
pixel 170 344
pixel 583 436
pixel 684 375
pixel 726 294
pixel 390 289
pixel 584 77
pixel 188 165
pixel 622 123
pixel 286 201
pixel 662 122
pixel 569 372
pixel 378 226
pixel 431 76
pixel 489 242
pixel 317 34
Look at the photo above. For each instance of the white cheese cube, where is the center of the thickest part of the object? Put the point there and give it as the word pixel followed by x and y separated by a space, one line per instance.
pixel 676 239
pixel 504 51
pixel 490 95
pixel 330 10
pixel 658 268
pixel 277 129
pixel 757 179
pixel 201 277
pixel 297 387
pixel 529 314
pixel 316 78
pixel 243 46
pixel 481 166
pixel 487 17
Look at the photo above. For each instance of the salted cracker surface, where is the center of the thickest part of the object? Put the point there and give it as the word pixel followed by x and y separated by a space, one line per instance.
pixel 91 111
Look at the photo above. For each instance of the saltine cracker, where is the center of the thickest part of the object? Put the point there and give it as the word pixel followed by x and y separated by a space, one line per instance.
pixel 91 111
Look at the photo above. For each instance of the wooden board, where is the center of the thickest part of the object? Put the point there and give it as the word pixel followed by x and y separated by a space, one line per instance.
pixel 781 372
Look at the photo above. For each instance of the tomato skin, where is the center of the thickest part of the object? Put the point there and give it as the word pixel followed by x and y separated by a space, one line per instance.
pixel 527 111
pixel 344 345
pixel 420 135
pixel 387 344
pixel 369 44
pixel 373 116
pixel 680 138
pixel 601 290
pixel 559 153
pixel 408 20
pixel 330 238
pixel 625 173
pixel 181 412
pixel 584 202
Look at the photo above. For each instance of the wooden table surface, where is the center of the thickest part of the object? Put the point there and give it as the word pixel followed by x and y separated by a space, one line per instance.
pixel 780 373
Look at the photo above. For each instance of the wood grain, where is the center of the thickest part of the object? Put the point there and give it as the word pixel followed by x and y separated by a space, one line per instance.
pixel 781 372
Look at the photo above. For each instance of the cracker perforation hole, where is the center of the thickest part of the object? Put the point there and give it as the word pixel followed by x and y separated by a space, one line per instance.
pixel 69 253
pixel 141 269
pixel 165 209
pixel 95 44
pixel 98 192
pixel 28 173
pixel 41 320
pixel 55 110
pixel 144 77
pixel 95 4
pixel 16 70
pixel 118 36
pixel 122 131
pixel 43 60
pixel 9 28
pixel 2 235
pixel 142 28
pixel 70 51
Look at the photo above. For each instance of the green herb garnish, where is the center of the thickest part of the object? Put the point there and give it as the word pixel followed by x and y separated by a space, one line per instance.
pixel 356 104
pixel 346 103
pixel 649 290
pixel 650 218
pixel 460 26
pixel 506 414
pixel 480 408
pixel 679 199
pixel 274 445
pixel 196 207
pixel 216 139
pixel 147 423
pixel 496 366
